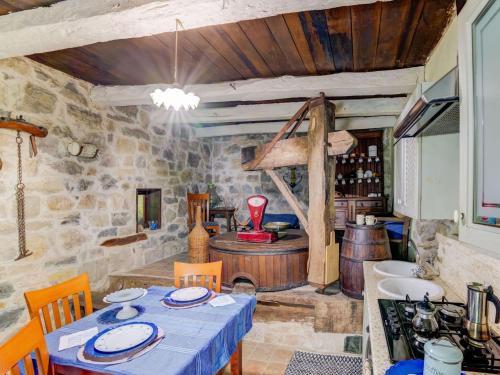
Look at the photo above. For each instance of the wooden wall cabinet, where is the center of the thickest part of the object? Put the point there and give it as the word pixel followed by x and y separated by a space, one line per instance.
pixel 478 53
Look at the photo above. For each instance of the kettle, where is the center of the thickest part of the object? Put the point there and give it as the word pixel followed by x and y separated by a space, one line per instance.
pixel 424 322
pixel 476 319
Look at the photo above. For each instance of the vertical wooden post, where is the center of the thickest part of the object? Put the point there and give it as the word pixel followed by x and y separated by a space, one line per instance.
pixel 321 214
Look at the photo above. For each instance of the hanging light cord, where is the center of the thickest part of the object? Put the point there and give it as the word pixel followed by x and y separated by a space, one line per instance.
pixel 178 24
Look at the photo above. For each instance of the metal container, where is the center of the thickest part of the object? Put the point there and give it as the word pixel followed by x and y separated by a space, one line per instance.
pixel 424 322
pixel 442 357
pixel 476 320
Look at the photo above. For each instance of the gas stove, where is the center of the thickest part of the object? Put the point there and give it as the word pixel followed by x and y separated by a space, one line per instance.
pixel 404 343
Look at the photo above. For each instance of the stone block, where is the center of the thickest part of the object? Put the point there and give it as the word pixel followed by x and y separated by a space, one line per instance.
pixel 135 133
pixel 107 182
pixel 99 220
pixel 68 167
pixel 126 146
pixel 71 92
pixel 61 261
pixel 73 219
pixel 120 218
pixel 6 289
pixel 10 317
pixel 84 117
pixel 109 232
pixel 37 100
pixel 59 203
pixel 88 201
pixel 72 239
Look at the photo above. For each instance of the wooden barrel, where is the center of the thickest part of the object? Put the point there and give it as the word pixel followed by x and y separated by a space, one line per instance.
pixel 361 242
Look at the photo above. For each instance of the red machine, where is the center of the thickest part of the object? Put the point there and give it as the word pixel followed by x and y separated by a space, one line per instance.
pixel 257 206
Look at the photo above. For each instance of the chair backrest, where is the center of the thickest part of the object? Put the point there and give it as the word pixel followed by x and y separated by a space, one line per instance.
pixel 194 200
pixel 57 296
pixel 19 348
pixel 198 274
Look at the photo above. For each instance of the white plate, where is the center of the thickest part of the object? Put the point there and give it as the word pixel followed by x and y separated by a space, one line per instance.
pixel 189 294
pixel 123 338
pixel 125 295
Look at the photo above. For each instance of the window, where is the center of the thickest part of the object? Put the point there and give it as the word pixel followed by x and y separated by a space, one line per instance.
pixel 148 209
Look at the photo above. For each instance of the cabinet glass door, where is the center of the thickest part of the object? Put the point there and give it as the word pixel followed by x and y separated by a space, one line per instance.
pixel 486 88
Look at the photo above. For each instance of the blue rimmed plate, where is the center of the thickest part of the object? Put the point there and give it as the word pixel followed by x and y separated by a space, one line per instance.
pixel 121 339
pixel 169 302
pixel 189 295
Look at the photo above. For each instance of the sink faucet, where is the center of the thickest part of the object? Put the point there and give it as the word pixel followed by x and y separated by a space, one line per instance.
pixel 426 267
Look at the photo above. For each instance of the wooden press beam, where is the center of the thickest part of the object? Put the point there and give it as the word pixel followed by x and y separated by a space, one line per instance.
pixel 293 151
pixel 321 172
pixel 290 198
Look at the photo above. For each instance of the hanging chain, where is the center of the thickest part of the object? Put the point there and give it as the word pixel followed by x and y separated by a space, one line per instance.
pixel 21 230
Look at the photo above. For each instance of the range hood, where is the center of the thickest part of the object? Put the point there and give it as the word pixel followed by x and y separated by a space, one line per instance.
pixel 432 109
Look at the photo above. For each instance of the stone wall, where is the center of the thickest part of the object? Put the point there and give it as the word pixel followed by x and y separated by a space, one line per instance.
pixel 73 204
pixel 234 185
pixel 461 263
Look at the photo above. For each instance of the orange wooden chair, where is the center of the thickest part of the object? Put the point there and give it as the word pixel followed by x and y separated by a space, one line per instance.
pixel 198 274
pixel 58 295
pixel 202 200
pixel 19 348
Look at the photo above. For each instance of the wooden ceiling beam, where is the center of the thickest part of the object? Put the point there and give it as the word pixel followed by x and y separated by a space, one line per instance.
pixel 349 123
pixel 284 111
pixel 386 82
pixel 75 23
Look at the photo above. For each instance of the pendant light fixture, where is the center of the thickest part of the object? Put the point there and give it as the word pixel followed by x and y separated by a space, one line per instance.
pixel 175 96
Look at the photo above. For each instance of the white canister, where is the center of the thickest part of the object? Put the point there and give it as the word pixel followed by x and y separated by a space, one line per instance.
pixel 442 357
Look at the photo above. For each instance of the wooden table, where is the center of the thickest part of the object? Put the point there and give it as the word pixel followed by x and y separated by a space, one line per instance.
pixel 227 212
pixel 188 338
pixel 276 266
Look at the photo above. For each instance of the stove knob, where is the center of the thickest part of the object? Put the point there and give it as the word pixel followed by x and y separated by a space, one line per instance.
pixel 392 316
pixel 395 329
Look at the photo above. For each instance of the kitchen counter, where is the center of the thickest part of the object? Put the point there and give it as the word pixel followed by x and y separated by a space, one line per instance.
pixel 380 352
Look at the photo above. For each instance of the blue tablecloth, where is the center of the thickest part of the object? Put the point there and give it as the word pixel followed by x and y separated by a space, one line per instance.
pixel 197 341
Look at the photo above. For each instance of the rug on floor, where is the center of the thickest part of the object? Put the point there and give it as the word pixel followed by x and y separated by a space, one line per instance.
pixel 322 364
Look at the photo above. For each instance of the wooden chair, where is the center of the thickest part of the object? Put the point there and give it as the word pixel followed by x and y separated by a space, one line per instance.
pixel 19 348
pixel 202 200
pixel 196 274
pixel 56 296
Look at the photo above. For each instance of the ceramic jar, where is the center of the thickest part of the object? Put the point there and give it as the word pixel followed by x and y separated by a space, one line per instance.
pixel 198 241
pixel 442 357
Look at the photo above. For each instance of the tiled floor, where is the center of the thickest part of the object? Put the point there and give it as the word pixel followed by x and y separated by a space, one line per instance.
pixel 268 347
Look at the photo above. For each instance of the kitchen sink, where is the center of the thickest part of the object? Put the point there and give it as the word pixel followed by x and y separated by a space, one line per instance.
pixel 395 268
pixel 399 287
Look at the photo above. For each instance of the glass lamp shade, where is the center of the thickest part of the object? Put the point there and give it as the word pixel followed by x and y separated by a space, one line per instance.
pixel 176 98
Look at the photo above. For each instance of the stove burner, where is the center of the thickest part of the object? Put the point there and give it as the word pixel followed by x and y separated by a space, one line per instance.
pixel 409 311
pixel 472 345
pixel 451 313
pixel 419 342
pixel 404 343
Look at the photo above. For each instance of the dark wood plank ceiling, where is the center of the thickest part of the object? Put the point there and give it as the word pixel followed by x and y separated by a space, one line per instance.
pixel 384 35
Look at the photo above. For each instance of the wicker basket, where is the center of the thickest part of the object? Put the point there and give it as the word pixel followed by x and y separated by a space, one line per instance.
pixel 198 241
